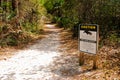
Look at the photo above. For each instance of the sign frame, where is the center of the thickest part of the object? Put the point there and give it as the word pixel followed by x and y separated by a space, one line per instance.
pixel 97 38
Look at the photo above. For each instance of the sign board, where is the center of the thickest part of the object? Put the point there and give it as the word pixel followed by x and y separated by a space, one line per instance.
pixel 88 38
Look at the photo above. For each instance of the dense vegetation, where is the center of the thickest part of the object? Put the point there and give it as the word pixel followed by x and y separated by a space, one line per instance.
pixel 106 13
pixel 19 19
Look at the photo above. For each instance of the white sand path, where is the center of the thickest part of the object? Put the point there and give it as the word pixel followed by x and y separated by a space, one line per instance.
pixel 41 61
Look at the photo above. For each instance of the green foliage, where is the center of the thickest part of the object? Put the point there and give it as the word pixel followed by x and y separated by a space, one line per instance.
pixel 11 15
pixel 1 10
pixel 29 14
pixel 114 39
pixel 52 5
pixel 20 15
pixel 33 15
pixel 29 27
pixel 105 13
pixel 12 41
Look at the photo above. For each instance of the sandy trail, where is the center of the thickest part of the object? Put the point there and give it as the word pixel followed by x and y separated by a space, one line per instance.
pixel 41 61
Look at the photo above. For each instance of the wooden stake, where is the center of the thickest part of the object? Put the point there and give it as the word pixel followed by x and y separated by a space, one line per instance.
pixel 81 59
pixel 95 62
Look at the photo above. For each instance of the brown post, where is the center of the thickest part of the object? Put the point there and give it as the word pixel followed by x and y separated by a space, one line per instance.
pixel 81 59
pixel 95 61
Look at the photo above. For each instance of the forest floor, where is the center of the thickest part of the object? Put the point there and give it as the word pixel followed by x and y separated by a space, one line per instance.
pixel 55 57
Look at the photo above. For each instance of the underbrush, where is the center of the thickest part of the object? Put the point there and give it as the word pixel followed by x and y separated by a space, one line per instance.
pixel 16 36
pixel 112 39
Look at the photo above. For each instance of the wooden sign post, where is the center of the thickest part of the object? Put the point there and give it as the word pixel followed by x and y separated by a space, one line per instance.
pixel 81 59
pixel 88 41
pixel 95 62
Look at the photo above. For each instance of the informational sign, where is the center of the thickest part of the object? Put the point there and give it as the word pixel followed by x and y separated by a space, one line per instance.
pixel 88 38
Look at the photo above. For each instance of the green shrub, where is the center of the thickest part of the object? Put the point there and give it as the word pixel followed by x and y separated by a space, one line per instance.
pixel 12 41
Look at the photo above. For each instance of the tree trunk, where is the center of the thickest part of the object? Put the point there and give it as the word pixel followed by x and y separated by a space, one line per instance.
pixel 13 5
